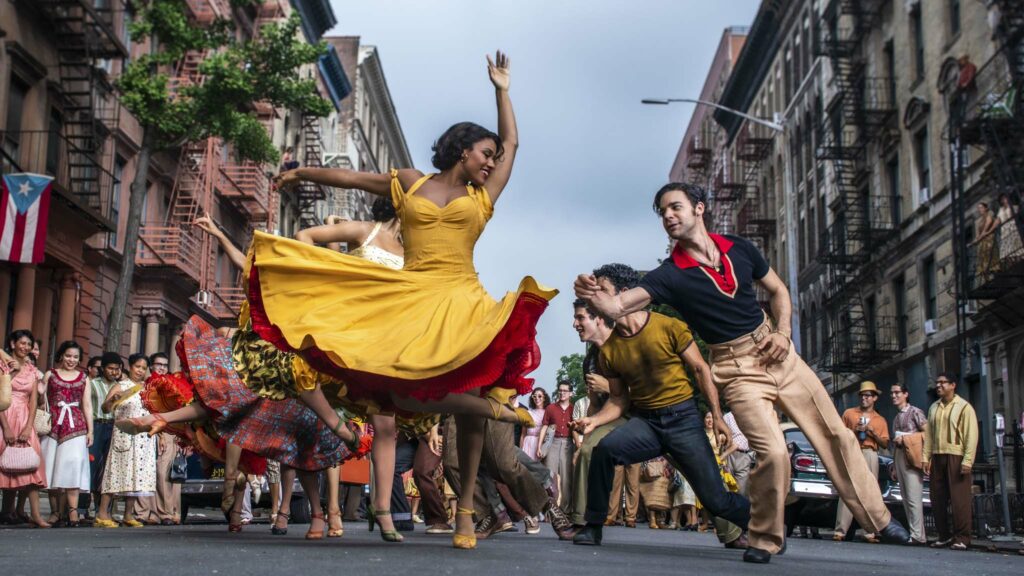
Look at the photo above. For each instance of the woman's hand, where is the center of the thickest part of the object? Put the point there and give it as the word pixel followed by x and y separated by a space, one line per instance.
pixel 287 180
pixel 9 437
pixel 206 224
pixel 88 440
pixel 498 70
pixel 26 432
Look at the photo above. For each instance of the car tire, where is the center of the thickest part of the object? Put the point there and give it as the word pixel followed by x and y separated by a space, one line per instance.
pixel 300 513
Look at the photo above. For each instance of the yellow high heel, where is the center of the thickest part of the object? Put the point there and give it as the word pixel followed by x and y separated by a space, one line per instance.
pixel 502 398
pixel 462 541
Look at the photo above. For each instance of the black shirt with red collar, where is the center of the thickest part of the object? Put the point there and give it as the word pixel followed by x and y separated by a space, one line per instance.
pixel 719 305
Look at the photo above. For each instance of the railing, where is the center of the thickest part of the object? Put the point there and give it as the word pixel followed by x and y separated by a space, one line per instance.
pixel 172 246
pixel 992 95
pixel 87 188
pixel 697 157
pixel 225 302
pixel 861 344
pixel 837 42
pixel 248 182
pixel 877 94
pixel 995 265
pixel 752 146
pixel 206 11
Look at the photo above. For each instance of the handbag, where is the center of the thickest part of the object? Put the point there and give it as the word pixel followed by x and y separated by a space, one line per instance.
pixel 179 469
pixel 652 470
pixel 43 422
pixel 19 458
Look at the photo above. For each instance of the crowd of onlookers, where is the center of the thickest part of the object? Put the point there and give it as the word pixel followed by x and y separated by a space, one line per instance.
pixel 59 437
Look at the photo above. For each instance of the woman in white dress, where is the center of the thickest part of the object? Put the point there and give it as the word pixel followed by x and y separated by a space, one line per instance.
pixel 131 464
pixel 1009 235
pixel 66 448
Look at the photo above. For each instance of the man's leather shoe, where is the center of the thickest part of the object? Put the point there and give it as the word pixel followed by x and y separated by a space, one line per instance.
pixel 894 533
pixel 630 524
pixel 757 556
pixel 738 544
pixel 589 536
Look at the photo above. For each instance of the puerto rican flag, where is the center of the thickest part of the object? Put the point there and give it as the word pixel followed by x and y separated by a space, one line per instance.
pixel 25 206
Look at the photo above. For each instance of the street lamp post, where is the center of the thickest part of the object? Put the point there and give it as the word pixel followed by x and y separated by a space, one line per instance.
pixel 787 183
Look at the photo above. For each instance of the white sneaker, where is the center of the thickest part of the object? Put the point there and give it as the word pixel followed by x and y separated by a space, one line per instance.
pixel 532 525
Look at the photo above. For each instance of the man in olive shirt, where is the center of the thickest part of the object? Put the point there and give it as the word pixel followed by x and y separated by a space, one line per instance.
pixel 645 360
pixel 950 445
pixel 872 433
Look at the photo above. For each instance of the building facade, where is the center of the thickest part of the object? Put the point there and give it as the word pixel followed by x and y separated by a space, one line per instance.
pixel 861 185
pixel 368 135
pixel 61 117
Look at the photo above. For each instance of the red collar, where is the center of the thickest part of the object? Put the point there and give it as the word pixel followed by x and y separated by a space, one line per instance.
pixel 684 260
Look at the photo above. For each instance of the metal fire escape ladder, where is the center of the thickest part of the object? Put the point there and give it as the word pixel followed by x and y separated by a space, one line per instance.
pixel 309 194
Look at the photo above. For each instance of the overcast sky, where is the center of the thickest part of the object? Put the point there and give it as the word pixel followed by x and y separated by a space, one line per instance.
pixel 590 156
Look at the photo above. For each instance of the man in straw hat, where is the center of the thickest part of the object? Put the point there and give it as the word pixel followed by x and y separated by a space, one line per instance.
pixel 872 433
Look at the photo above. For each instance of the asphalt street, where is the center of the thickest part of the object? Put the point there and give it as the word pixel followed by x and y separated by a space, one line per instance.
pixel 210 549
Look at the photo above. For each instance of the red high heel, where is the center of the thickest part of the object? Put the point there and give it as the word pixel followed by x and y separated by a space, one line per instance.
pixel 311 535
pixel 235 527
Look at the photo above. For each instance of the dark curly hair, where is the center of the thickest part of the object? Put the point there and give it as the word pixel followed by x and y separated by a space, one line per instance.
pixel 462 136
pixel 64 347
pixel 695 193
pixel 621 276
pixel 383 210
pixel 13 337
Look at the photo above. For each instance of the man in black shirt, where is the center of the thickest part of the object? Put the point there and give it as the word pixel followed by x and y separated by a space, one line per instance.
pixel 709 279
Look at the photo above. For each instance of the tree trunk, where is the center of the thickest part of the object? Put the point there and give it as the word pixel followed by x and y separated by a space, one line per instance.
pixel 136 199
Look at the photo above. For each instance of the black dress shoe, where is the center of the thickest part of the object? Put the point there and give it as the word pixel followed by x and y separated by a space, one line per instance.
pixel 757 556
pixel 589 536
pixel 894 533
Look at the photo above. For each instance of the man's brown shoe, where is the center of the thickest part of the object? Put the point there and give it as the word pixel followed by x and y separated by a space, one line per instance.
pixel 738 544
pixel 630 524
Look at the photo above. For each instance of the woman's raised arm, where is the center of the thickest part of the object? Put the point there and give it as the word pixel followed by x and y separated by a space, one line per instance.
pixel 499 71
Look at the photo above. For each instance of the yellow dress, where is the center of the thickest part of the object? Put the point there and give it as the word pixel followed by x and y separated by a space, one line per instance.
pixel 425 331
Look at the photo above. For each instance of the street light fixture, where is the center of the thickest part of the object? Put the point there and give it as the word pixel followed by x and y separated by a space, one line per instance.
pixel 761 121
pixel 779 127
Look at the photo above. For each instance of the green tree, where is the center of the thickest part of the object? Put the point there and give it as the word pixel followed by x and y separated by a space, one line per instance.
pixel 237 73
pixel 571 371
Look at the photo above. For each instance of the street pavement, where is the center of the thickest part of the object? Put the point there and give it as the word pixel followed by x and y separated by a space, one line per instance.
pixel 210 549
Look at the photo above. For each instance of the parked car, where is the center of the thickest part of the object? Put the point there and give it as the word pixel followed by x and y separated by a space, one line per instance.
pixel 812 499
pixel 204 487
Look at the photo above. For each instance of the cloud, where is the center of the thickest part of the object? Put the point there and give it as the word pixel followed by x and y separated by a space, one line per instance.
pixel 591 155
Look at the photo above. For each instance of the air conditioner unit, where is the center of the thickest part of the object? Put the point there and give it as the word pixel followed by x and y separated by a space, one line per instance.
pixel 924 195
pixel 931 326
pixel 969 307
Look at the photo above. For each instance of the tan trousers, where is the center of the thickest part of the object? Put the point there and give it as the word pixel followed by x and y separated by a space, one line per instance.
pixel 753 393
pixel 843 515
pixel 628 478
pixel 163 506
pixel 912 488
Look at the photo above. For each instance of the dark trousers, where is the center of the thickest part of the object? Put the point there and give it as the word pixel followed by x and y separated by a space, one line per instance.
pixel 424 464
pixel 676 431
pixel 401 510
pixel 950 488
pixel 101 433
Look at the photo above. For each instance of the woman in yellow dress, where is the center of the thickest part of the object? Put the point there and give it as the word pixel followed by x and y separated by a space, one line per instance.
pixel 427 338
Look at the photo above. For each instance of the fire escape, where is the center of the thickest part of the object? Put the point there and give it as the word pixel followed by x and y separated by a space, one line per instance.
pixel 988 114
pixel 862 222
pixel 308 194
pixel 85 37
pixel 698 161
pixel 756 217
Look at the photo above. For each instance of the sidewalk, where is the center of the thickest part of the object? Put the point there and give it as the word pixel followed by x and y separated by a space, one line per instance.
pixel 1013 547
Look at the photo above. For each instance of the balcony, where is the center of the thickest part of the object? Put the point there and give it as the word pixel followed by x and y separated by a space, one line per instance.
pixel 991 108
pixel 84 185
pixel 206 11
pixel 754 220
pixel 727 191
pixel 170 248
pixel 226 302
pixel 995 266
pixel 752 146
pixel 82 25
pixel 247 186
pixel 862 344
pixel 698 157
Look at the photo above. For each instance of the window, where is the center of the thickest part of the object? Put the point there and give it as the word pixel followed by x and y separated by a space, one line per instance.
pixel 954 18
pixel 53 142
pixel 892 177
pixel 803 242
pixel 115 200
pixel 899 298
pixel 922 155
pixel 813 340
pixel 15 111
pixel 929 287
pixel 811 233
pixel 890 72
pixel 870 309
pixel 917 32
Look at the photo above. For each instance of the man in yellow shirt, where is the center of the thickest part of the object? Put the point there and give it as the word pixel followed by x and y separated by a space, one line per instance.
pixel 645 360
pixel 949 448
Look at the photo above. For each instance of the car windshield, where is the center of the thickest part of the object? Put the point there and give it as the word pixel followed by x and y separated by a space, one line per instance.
pixel 795 436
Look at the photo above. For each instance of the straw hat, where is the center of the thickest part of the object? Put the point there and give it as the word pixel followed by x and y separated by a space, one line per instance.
pixel 868 386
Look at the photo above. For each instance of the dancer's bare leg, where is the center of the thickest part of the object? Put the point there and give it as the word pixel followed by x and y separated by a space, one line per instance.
pixel 382 454
pixel 466 404
pixel 287 485
pixel 470 443
pixel 312 489
pixel 335 527
pixel 232 455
